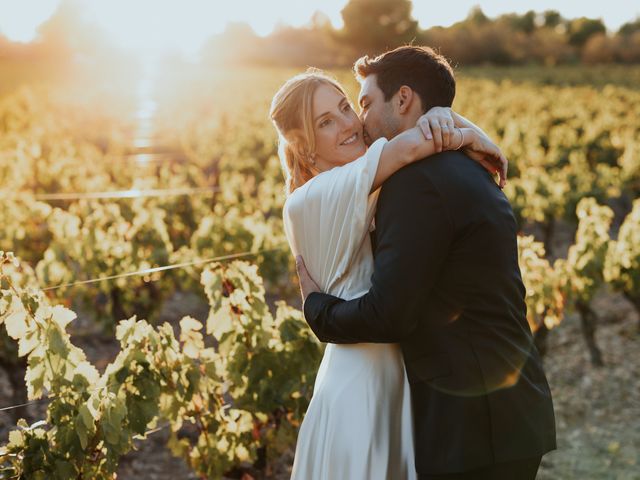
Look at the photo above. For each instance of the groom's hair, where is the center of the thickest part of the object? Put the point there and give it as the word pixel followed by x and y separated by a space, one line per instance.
pixel 422 69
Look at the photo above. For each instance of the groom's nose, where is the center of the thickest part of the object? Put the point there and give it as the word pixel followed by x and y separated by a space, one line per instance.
pixel 363 118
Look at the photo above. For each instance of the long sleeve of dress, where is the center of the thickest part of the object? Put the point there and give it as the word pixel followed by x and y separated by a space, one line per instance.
pixel 327 219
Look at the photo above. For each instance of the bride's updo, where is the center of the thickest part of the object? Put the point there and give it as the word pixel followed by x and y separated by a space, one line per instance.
pixel 292 114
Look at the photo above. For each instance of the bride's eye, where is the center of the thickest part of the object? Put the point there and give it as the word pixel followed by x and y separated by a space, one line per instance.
pixel 346 107
pixel 324 123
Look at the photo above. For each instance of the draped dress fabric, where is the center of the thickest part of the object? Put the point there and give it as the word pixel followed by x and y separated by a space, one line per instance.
pixel 358 425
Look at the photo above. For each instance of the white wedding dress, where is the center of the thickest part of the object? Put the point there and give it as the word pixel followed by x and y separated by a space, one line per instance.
pixel 358 425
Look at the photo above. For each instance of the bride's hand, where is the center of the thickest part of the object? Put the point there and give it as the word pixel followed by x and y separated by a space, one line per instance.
pixel 438 123
pixel 487 154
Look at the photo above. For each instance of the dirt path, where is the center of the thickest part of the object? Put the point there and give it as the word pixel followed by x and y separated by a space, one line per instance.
pixel 597 409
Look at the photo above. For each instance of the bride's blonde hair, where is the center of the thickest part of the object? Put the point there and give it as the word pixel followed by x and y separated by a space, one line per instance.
pixel 292 115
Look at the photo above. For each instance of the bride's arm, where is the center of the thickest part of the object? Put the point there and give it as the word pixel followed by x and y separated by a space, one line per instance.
pixel 411 146
pixel 439 122
pixel 437 117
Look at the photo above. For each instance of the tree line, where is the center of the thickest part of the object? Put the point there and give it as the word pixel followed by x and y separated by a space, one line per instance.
pixel 370 27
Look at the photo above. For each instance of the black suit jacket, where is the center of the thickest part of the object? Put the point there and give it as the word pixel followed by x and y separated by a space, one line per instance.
pixel 447 286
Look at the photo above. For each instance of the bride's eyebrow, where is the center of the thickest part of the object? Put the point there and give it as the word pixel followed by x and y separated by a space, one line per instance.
pixel 342 102
pixel 320 116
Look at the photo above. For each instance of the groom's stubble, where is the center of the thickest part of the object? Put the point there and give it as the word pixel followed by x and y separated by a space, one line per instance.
pixel 383 123
pixel 384 119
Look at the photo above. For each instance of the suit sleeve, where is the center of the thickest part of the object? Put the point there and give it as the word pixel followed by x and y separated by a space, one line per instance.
pixel 414 232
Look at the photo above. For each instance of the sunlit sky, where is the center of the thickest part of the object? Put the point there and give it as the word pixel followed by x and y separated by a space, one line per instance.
pixel 185 24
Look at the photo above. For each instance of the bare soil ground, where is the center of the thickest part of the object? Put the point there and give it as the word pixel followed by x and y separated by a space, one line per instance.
pixel 597 408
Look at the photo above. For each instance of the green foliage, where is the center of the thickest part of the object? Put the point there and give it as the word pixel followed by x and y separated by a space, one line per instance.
pixel 544 299
pixel 582 270
pixel 581 29
pixel 622 264
pixel 248 391
pixel 93 240
pixel 372 26
pixel 630 28
pixel 243 380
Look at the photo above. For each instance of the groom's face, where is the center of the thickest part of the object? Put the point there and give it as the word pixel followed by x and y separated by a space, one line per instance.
pixel 378 117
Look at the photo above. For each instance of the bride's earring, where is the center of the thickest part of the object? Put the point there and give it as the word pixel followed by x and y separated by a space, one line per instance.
pixel 312 158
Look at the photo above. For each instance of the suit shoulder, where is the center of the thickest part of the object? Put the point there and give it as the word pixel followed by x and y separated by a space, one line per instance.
pixel 435 167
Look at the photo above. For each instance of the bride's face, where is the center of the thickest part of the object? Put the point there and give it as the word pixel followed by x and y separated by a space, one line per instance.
pixel 337 129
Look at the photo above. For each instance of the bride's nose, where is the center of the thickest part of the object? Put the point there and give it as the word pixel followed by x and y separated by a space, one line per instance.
pixel 348 122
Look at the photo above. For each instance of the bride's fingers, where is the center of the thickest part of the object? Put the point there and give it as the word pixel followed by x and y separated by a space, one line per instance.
pixel 446 134
pixel 451 125
pixel 423 123
pixel 499 164
pixel 436 131
pixel 486 165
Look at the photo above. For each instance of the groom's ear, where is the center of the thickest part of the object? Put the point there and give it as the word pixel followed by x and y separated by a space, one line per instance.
pixel 405 97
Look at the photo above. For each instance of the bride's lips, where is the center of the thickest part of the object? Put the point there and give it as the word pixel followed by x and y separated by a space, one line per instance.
pixel 351 139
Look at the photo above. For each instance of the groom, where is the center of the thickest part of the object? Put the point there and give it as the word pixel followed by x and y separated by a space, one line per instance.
pixel 448 288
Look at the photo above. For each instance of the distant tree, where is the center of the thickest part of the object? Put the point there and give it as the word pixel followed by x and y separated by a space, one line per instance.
pixel 238 44
pixel 630 28
pixel 552 18
pixel 476 16
pixel 313 45
pixel 581 29
pixel 599 49
pixel 628 47
pixel 320 20
pixel 372 26
pixel 549 46
pixel 523 23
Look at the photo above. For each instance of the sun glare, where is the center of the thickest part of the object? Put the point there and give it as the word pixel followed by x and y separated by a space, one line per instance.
pixel 25 19
pixel 153 27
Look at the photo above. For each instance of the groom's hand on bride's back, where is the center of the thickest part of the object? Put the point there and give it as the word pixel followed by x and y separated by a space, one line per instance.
pixel 307 284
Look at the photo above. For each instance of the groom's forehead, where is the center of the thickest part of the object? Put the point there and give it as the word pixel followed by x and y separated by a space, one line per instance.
pixel 368 87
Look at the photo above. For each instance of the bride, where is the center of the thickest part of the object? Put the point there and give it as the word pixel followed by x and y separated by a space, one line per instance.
pixel 358 425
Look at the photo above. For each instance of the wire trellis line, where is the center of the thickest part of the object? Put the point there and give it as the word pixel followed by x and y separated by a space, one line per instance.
pixel 165 267
pixel 49 397
pixel 132 193
pixel 141 272
pixel 11 407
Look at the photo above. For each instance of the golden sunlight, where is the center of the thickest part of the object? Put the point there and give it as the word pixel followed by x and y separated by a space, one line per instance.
pixel 153 27
pixel 25 19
